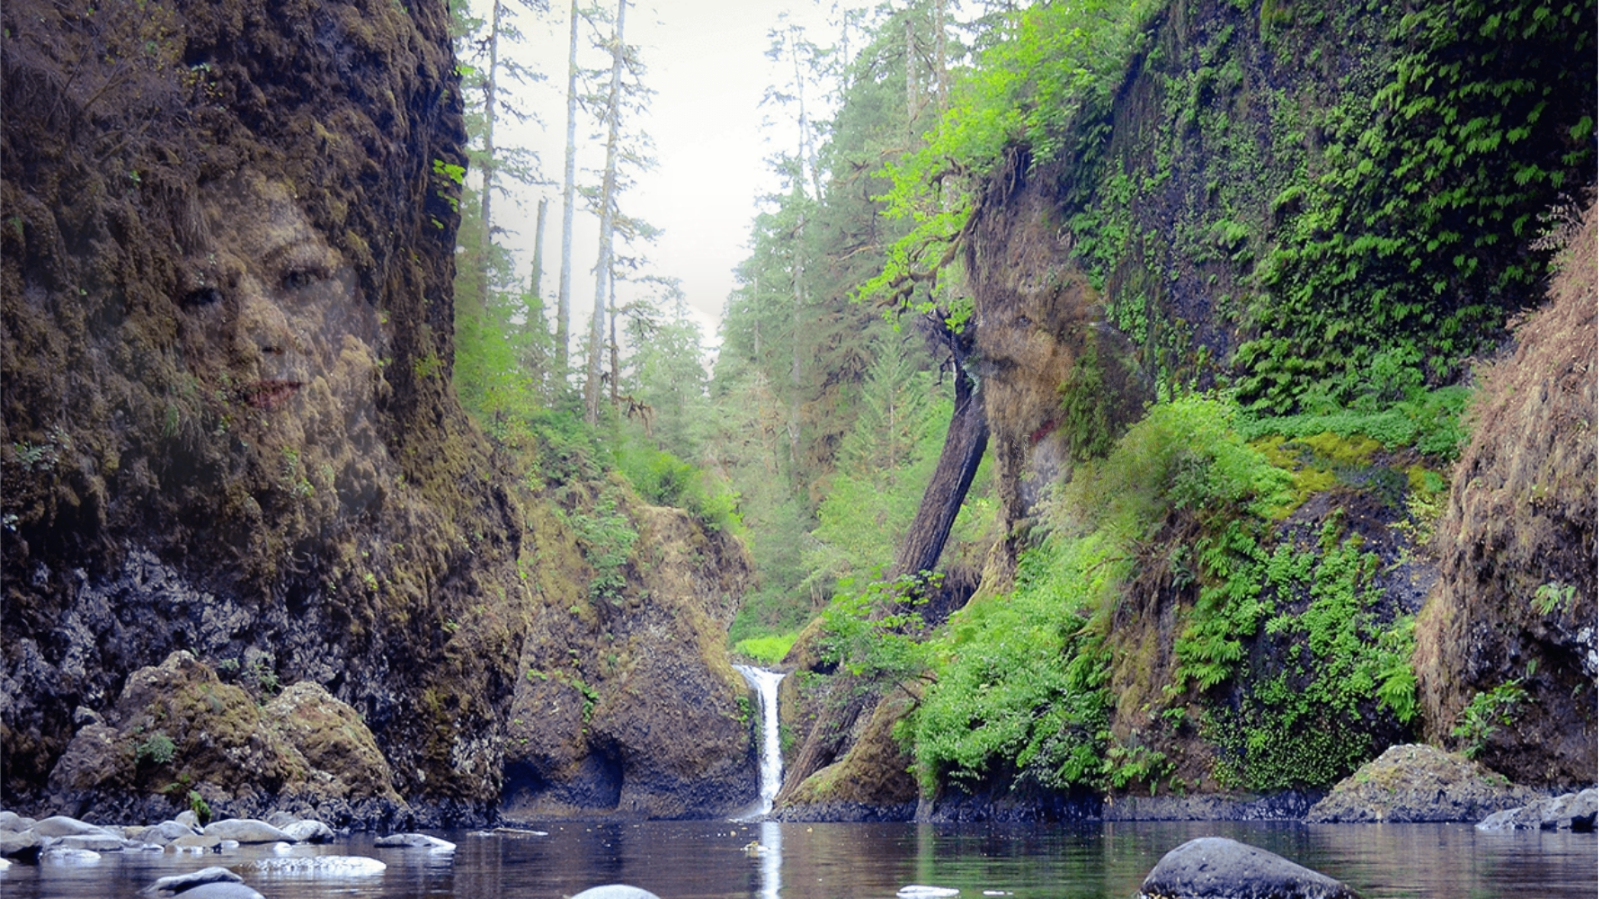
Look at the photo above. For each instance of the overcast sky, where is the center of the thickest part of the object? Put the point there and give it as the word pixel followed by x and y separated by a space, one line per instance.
pixel 707 65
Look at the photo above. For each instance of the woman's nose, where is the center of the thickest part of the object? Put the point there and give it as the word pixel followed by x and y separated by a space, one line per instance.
pixel 262 325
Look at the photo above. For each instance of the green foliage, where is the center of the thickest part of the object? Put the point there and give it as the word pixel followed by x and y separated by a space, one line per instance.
pixel 767 650
pixel 201 808
pixel 1485 714
pixel 1021 681
pixel 1553 596
pixel 1417 230
pixel 1430 421
pixel 1025 90
pixel 666 480
pixel 606 537
pixel 157 749
pixel 877 634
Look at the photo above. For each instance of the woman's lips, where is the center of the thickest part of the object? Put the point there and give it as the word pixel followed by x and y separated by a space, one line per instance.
pixel 269 394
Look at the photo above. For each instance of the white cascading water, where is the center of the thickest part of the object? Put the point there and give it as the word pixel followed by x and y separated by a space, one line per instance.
pixel 765 685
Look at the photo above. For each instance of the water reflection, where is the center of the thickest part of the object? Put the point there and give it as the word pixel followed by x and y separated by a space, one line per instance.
pixel 712 860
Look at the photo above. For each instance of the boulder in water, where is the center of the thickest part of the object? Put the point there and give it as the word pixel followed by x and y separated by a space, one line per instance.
pixel 197 841
pixel 414 841
pixel 615 891
pixel 1572 811
pixel 1418 783
pixel 61 855
pixel 246 830
pixel 14 823
pixel 25 845
pixel 319 866
pixel 919 891
pixel 221 890
pixel 165 832
pixel 98 842
pixel 1219 868
pixel 308 832
pixel 178 883
pixel 63 826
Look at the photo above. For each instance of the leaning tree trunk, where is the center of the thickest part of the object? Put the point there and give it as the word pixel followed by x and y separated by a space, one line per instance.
pixel 957 465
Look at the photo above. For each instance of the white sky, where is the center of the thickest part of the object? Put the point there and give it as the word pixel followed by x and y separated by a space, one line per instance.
pixel 707 64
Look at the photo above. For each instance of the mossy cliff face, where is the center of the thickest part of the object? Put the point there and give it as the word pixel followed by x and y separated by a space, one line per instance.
pixel 225 357
pixel 1506 650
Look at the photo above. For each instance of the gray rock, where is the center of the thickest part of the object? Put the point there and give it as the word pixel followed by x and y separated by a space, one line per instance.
pixel 14 823
pixel 281 819
pixel 615 891
pixel 319 866
pixel 1418 783
pixel 308 832
pixel 62 826
pixel 1572 811
pixel 61 855
pixel 246 830
pixel 165 832
pixel 414 841
pixel 177 883
pixel 201 841
pixel 25 845
pixel 1219 868
pixel 98 842
pixel 188 818
pixel 221 890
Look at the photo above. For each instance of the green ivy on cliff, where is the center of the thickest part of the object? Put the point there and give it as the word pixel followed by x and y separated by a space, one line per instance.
pixel 1417 229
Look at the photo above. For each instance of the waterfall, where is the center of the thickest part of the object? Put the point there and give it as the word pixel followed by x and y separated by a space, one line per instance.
pixel 764 683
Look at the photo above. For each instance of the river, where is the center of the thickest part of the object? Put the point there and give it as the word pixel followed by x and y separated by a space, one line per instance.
pixel 714 859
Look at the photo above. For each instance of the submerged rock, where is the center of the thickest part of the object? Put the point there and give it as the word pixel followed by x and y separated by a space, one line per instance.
pixel 615 891
pixel 1572 811
pixel 221 890
pixel 25 845
pixel 1418 783
pixel 61 855
pixel 1219 868
pixel 319 866
pixel 414 841
pixel 178 883
pixel 246 830
pixel 918 891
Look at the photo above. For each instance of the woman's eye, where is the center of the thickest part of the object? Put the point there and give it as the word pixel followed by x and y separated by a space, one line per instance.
pixel 300 279
pixel 203 296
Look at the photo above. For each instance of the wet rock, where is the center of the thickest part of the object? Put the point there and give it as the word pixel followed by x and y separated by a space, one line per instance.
pixel 5 864
pixel 14 823
pixel 63 826
pixel 246 830
pixel 165 832
pixel 197 841
pixel 319 866
pixel 308 832
pixel 1418 783
pixel 24 846
pixel 61 855
pixel 177 883
pixel 414 841
pixel 98 842
pixel 221 890
pixel 1219 868
pixel 615 891
pixel 1572 811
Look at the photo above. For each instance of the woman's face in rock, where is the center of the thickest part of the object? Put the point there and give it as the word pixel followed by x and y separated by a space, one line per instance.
pixel 275 308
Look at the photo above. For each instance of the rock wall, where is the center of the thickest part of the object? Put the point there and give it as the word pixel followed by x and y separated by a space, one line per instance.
pixel 1514 611
pixel 226 339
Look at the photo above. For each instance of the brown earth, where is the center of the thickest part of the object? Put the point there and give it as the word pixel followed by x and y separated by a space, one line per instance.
pixel 1515 605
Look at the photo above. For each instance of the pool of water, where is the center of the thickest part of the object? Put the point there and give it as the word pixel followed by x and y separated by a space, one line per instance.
pixel 713 859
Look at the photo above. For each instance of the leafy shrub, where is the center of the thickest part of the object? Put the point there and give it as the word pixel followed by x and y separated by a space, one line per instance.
pixel 157 749
pixel 767 650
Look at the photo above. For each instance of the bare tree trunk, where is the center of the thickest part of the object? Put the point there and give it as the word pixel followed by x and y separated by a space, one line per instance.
pixel 616 374
pixel 602 266
pixel 537 284
pixel 957 464
pixel 563 313
pixel 910 76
